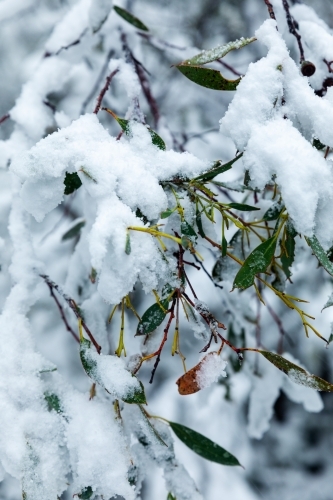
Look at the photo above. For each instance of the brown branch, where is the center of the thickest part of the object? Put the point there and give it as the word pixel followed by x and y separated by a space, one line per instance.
pixel 270 9
pixel 230 68
pixel 292 29
pixel 4 118
pixel 97 83
pixel 62 313
pixel 104 90
pixel 72 304
pixel 165 337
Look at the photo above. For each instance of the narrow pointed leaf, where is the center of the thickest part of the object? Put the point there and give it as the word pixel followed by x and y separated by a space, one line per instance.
pixel 171 497
pixel 72 183
pixel 156 139
pixel 152 318
pixel 130 18
pixel 296 373
pixel 137 397
pixel 243 207
pixel 329 303
pixel 209 78
pixel 86 493
pixel 273 212
pixel 128 244
pixel 203 446
pixel 207 56
pixel 288 250
pixel 217 169
pixel 187 230
pixel 257 262
pixel 167 213
pixel 199 224
pixel 224 246
pixel 74 231
pixel 320 253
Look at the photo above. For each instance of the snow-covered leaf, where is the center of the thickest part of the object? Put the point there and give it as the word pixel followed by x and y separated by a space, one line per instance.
pixel 243 207
pixel 74 231
pixel 209 78
pixel 152 318
pixel 207 56
pixel 257 262
pixel 320 253
pixel 72 183
pixel 296 373
pixel 217 169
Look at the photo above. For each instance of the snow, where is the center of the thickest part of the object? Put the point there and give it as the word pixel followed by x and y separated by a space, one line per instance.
pixel 211 369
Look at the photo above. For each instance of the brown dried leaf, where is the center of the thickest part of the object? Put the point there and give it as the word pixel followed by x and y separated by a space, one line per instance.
pixel 187 383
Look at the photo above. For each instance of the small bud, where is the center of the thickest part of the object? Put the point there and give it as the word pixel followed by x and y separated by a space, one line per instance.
pixel 308 68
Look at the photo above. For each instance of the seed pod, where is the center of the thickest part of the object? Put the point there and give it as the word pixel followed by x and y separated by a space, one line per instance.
pixel 308 68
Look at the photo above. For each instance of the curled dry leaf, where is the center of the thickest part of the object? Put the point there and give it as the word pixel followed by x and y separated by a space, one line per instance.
pixel 210 368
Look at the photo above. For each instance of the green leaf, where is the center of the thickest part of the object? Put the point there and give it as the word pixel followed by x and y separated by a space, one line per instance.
pixel 330 339
pixel 128 244
pixel 171 497
pixel 318 145
pixel 207 56
pixel 203 446
pixel 217 169
pixel 199 224
pixel 257 262
pixel 130 18
pixel 320 253
pixel 156 139
pixel 209 78
pixel 288 249
pixel 187 230
pixel 86 493
pixel 74 231
pixel 234 340
pixel 241 206
pixel 167 213
pixel 72 183
pixel 138 397
pixel 274 211
pixel 152 318
pixel 152 428
pixel 89 365
pixel 224 246
pixel 53 402
pixel 329 303
pixel 296 373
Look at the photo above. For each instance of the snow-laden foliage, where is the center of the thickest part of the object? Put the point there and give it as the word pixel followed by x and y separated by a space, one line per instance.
pixel 122 237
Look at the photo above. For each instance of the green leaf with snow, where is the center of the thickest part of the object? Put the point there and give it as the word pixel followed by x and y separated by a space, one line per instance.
pixel 167 213
pixel 137 397
pixel 152 318
pixel 320 253
pixel 273 212
pixel 53 402
pixel 130 18
pixel 288 249
pixel 209 78
pixel 242 206
pixel 329 303
pixel 207 56
pixel 198 220
pixel 86 493
pixel 217 169
pixel 296 373
pixel 203 446
pixel 187 230
pixel 257 262
pixel 171 497
pixel 156 139
pixel 89 364
pixel 128 244
pixel 72 183
pixel 74 231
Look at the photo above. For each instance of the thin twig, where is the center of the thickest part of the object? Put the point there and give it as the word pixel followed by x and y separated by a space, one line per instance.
pixel 270 9
pixel 97 83
pixel 292 29
pixel 230 68
pixel 62 313
pixel 4 118
pixel 72 304
pixel 165 336
pixel 205 271
pixel 104 90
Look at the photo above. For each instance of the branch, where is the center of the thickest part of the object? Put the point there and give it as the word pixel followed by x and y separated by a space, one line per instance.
pixel 292 29
pixel 270 9
pixel 4 118
pixel 96 85
pixel 72 304
pixel 104 90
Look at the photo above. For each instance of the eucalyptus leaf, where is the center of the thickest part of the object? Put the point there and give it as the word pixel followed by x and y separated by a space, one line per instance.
pixel 187 230
pixel 203 446
pixel 320 253
pixel 130 18
pixel 209 78
pixel 329 302
pixel 199 224
pixel 243 207
pixel 207 56
pixel 72 182
pixel 137 397
pixel 257 262
pixel 86 493
pixel 73 231
pixel 53 402
pixel 274 211
pixel 296 373
pixel 171 497
pixel 152 318
pixel 128 244
pixel 224 246
pixel 167 213
pixel 217 169
pixel 288 249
